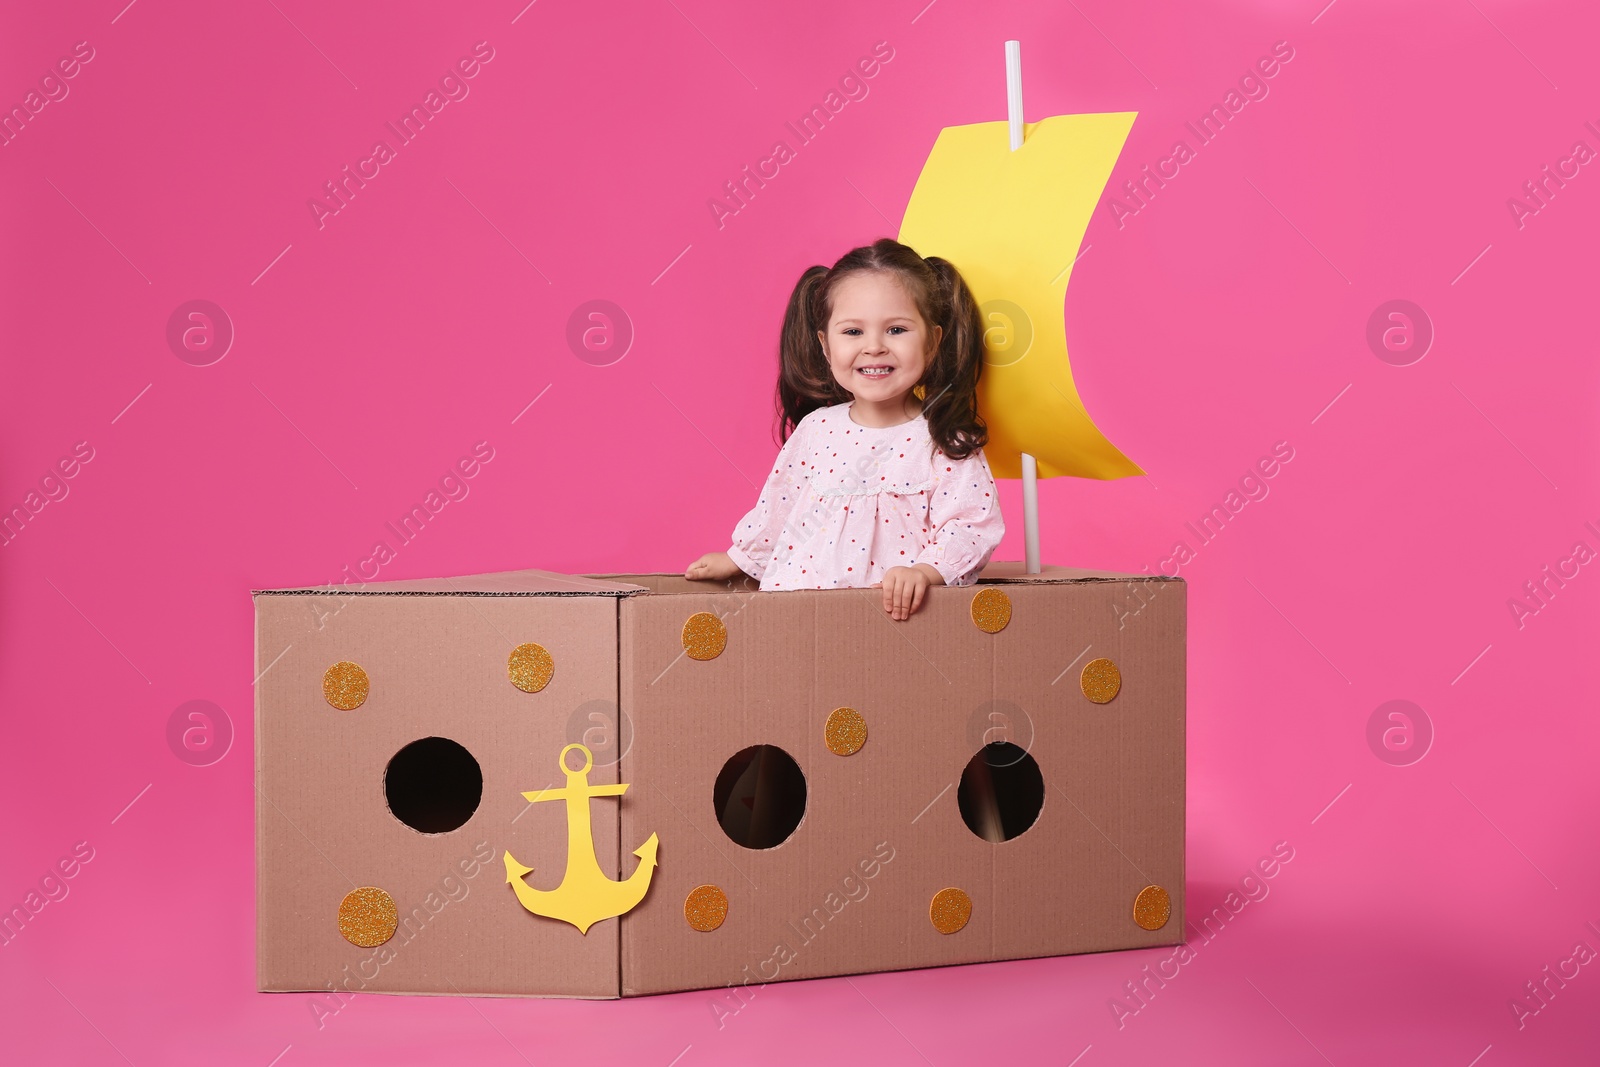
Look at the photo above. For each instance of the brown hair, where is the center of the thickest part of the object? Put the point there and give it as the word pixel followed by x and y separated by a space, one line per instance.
pixel 949 385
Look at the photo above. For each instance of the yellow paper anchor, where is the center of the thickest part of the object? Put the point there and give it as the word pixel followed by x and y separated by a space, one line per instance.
pixel 585 895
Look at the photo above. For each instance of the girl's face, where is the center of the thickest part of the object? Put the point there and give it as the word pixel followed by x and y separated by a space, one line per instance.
pixel 876 342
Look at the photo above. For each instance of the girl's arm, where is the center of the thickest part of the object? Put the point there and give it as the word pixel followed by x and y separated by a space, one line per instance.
pixel 963 517
pixel 755 536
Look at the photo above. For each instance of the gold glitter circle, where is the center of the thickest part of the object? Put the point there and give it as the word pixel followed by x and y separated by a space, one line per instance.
pixel 949 910
pixel 705 907
pixel 1152 907
pixel 1101 680
pixel 991 610
pixel 367 916
pixel 846 731
pixel 345 685
pixel 704 636
pixel 530 667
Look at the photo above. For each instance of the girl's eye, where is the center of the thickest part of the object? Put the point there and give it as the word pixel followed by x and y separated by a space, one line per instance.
pixel 900 328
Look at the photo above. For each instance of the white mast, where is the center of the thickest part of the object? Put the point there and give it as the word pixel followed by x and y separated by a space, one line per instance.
pixel 1030 468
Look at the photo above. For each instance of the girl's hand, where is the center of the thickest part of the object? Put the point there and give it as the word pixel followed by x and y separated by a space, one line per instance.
pixel 905 587
pixel 713 566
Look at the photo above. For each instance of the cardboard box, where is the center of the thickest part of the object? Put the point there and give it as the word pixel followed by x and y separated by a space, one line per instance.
pixel 887 845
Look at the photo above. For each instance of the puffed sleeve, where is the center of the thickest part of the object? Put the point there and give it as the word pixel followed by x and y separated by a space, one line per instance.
pixel 755 536
pixel 963 518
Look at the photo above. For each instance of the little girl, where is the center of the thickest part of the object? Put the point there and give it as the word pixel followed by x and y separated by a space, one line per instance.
pixel 881 480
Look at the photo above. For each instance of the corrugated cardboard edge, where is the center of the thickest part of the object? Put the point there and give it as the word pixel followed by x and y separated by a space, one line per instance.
pixel 440 993
pixel 340 591
pixel 527 582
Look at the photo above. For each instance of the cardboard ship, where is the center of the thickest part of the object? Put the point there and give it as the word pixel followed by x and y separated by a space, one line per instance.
pixel 605 785
pixel 620 784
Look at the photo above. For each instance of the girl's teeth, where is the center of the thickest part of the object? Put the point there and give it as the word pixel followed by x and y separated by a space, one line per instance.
pixel 875 372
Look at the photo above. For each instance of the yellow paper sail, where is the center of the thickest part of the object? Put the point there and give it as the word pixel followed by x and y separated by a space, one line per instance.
pixel 1012 223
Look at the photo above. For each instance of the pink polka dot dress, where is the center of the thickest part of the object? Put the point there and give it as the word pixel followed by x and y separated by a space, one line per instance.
pixel 846 502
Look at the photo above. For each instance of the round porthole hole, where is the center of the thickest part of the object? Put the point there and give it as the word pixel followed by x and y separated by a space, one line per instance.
pixel 760 796
pixel 433 785
pixel 1001 792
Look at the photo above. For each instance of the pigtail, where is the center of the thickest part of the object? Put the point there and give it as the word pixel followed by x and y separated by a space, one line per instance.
pixel 950 399
pixel 804 381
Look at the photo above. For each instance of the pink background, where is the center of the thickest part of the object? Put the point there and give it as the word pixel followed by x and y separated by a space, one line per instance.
pixel 1227 315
